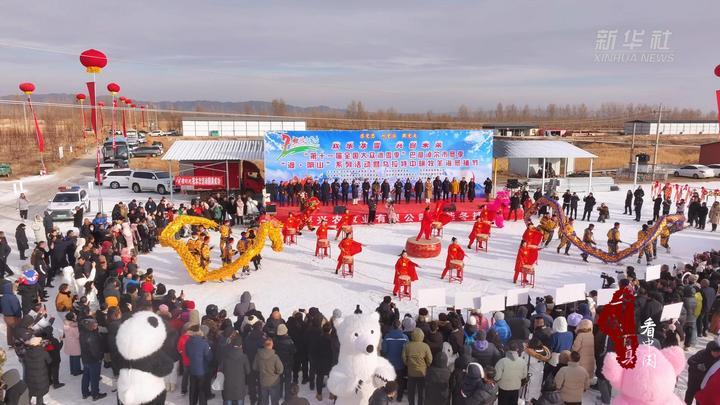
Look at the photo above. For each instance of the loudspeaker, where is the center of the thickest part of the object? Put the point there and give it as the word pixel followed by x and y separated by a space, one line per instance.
pixel 449 208
pixel 339 209
pixel 513 184
pixel 271 209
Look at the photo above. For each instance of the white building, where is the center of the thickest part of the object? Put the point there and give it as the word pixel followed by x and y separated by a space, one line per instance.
pixel 676 127
pixel 237 127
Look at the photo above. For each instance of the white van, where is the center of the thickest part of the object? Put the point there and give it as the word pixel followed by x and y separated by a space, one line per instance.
pixel 116 178
pixel 132 138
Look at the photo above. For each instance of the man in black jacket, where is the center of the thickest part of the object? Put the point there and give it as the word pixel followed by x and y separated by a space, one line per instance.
pixel 335 192
pixel 566 202
pixel 365 190
pixel 698 364
pixel 437 188
pixel 91 353
pixel 285 349
pixel 398 189
pixel 408 190
pixel 488 184
pixel 638 203
pixel 519 324
pixel 589 201
pixel 325 192
pixel 419 188
pixel 345 189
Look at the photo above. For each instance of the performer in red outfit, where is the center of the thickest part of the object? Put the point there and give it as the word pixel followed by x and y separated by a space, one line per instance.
pixel 524 257
pixel 290 228
pixel 345 220
pixel 617 321
pixel 440 215
pixel 455 252
pixel 322 235
pixel 482 226
pixel 404 267
pixel 348 248
pixel 426 225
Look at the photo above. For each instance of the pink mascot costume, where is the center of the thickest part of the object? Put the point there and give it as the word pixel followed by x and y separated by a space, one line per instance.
pixel 652 381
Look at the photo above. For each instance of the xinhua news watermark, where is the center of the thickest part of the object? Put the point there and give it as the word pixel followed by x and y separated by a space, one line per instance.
pixel 633 46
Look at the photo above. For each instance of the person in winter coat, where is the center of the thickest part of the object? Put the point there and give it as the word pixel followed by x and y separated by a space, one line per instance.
pixel 28 291
pixel 11 310
pixel 48 223
pixel 383 395
pixel 519 324
pixel 434 339
pixel 698 364
pixel 457 337
pixel 71 343
pixel 285 349
pixel 244 306
pixel 91 354
pixel 714 216
pixel 501 327
pixel 23 205
pixel 4 254
pixel 572 380
pixel 478 386
pixel 235 367
pixel 561 339
pixel 37 370
pixel 21 240
pixel 690 325
pixel 417 357
pixel 484 352
pixel 550 394
pixel 585 345
pixel 536 355
pixel 321 357
pixel 392 348
pixel 296 330
pixel 38 229
pixel 16 391
pixel 269 368
pixel 437 387
pixel 197 350
pixel 509 373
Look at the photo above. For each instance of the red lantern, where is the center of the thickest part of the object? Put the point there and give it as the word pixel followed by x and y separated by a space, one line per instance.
pixel 93 60
pixel 80 97
pixel 113 88
pixel 133 106
pixel 717 70
pixel 122 98
pixel 101 103
pixel 128 101
pixel 27 88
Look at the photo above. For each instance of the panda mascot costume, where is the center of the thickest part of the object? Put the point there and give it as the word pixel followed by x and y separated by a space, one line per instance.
pixel 143 362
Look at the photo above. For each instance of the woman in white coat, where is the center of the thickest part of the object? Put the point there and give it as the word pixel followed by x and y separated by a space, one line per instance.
pixel 38 229
pixel 535 356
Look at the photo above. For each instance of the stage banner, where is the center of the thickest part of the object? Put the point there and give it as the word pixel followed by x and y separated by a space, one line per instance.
pixel 380 154
pixel 200 181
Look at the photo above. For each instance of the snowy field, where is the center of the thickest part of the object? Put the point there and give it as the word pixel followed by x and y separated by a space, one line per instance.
pixel 295 279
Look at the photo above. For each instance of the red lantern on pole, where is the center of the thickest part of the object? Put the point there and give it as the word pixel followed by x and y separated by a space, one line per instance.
pixel 94 61
pixel 114 89
pixel 28 88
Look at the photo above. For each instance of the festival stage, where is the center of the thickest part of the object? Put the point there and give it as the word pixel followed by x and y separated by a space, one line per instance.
pixel 464 211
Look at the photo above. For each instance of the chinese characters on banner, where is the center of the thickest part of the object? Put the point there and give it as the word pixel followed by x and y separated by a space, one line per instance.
pixel 200 181
pixel 382 218
pixel 386 154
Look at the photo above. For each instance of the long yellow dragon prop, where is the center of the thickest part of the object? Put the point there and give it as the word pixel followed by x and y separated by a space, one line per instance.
pixel 269 228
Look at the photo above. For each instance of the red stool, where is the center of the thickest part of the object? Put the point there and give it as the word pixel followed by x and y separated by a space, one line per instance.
pixel 528 271
pixel 482 238
pixel 290 236
pixel 346 268
pixel 437 229
pixel 345 230
pixel 323 248
pixel 457 266
pixel 405 290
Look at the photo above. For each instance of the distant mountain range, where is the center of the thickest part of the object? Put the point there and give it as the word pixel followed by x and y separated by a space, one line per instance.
pixel 250 107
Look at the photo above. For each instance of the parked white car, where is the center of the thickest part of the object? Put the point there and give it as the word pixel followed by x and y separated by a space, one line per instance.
pixel 116 178
pixel 62 206
pixel 695 171
pixel 150 180
pixel 716 168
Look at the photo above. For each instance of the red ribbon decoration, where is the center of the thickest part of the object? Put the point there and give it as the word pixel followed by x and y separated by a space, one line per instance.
pixel 38 133
pixel 123 124
pixel 93 117
pixel 114 105
pixel 717 94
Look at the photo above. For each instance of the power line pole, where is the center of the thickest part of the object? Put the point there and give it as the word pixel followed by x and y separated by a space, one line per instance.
pixel 659 112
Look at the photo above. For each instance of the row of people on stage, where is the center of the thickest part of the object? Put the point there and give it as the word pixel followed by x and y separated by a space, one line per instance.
pixel 344 191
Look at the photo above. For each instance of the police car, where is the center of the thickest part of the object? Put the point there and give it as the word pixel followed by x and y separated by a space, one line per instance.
pixel 62 206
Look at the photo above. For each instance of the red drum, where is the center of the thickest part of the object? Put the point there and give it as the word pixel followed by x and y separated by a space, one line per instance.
pixel 405 280
pixel 346 229
pixel 437 225
pixel 423 248
pixel 347 260
pixel 323 243
pixel 458 264
pixel 291 231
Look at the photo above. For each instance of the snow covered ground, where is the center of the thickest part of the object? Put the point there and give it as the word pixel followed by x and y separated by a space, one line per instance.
pixel 295 279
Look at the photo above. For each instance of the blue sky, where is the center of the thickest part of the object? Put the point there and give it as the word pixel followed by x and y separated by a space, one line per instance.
pixel 411 55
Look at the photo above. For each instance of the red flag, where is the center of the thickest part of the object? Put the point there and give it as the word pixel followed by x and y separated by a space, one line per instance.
pixel 717 94
pixel 38 133
pixel 114 103
pixel 123 124
pixel 93 116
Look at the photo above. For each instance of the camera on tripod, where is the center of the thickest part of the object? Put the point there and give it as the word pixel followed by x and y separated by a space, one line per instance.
pixel 608 280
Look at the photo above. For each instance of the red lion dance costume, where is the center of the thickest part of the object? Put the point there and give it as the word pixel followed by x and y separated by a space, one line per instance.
pixel 348 248
pixel 404 267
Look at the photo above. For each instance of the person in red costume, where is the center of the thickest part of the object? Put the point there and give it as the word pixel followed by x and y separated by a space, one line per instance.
pixel 404 267
pixel 617 321
pixel 524 257
pixel 348 248
pixel 440 215
pixel 455 252
pixel 291 223
pixel 425 225
pixel 322 234
pixel 482 226
pixel 345 220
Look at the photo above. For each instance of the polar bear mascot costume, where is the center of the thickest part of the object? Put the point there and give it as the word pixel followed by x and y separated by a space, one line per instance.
pixel 359 370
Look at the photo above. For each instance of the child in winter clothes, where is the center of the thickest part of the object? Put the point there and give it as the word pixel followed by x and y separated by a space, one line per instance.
pixel 53 347
pixel 64 299
pixel 71 342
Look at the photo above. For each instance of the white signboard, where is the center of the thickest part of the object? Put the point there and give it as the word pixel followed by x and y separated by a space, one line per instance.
pixel 431 297
pixel 605 296
pixel 570 293
pixel 652 272
pixel 466 300
pixel 490 303
pixel 671 311
pixel 517 296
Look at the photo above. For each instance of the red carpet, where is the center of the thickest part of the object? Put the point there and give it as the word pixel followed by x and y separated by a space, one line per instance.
pixel 406 212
